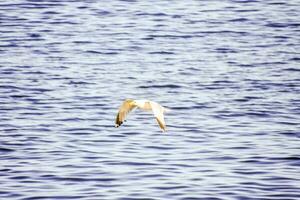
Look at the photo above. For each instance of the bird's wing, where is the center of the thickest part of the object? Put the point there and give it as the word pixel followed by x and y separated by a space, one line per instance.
pixel 124 109
pixel 158 112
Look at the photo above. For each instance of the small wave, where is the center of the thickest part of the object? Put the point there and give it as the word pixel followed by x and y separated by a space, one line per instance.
pixel 239 20
pixel 6 150
pixel 225 50
pixel 295 59
pixel 282 25
pixel 34 35
pixel 101 52
pixel 160 147
pixel 172 86
pixel 290 133
pixel 162 52
pixel 104 12
pixel 47 197
pixel 151 14
pixel 178 187
pixel 172 36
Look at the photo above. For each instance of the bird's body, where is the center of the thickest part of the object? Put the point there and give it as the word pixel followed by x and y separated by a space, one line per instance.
pixel 129 104
pixel 143 104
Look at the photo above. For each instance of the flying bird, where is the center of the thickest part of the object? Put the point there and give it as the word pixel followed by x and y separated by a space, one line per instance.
pixel 130 104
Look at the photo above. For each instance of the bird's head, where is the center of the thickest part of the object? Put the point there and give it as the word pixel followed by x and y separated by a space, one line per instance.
pixel 133 102
pixel 136 103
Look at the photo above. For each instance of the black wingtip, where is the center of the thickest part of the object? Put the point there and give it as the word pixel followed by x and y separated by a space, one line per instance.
pixel 118 124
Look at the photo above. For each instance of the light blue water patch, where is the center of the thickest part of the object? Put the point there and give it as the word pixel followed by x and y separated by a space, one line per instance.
pixel 228 70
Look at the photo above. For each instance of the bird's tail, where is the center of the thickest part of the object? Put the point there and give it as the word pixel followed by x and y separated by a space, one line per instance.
pixel 167 109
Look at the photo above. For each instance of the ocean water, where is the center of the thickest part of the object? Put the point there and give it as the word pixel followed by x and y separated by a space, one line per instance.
pixel 229 71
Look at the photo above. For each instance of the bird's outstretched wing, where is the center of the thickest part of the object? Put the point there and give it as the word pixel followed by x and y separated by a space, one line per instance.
pixel 158 112
pixel 124 109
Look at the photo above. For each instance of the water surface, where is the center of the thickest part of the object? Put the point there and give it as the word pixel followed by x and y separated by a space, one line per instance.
pixel 229 70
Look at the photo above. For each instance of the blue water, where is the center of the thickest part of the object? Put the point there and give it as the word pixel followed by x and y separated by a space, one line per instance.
pixel 229 70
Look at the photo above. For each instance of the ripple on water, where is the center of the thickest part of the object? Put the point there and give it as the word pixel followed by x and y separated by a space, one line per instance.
pixel 228 71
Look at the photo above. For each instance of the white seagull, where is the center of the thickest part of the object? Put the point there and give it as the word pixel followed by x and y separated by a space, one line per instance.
pixel 130 104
